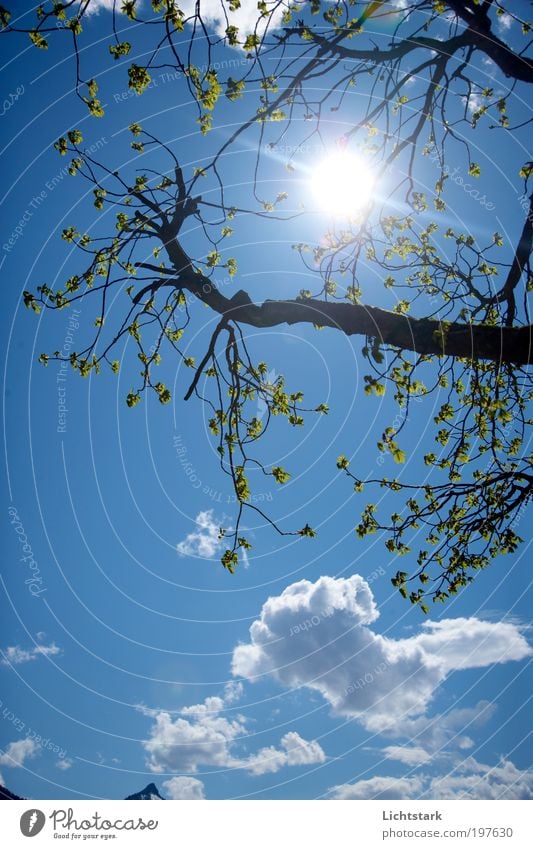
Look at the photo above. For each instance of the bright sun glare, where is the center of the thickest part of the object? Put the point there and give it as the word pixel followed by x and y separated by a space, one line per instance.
pixel 342 183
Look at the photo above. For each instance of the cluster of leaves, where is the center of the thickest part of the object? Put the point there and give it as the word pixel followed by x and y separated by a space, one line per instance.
pixel 472 517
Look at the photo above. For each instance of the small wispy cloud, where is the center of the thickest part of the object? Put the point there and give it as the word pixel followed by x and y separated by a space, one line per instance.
pixel 204 540
pixel 410 755
pixel 233 692
pixel 14 655
pixel 505 21
pixel 474 101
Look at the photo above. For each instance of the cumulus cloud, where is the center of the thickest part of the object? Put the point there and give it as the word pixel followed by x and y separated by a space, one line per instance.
pixel 204 541
pixel 199 736
pixel 319 636
pixel 202 736
pixel 184 787
pixel 467 780
pixel 294 751
pixel 17 752
pixel 13 655
pixel 64 763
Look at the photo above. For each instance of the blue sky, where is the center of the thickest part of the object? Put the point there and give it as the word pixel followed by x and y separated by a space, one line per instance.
pixel 129 654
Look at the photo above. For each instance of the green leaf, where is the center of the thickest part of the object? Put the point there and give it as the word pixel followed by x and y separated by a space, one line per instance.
pixel 4 16
pixel 398 455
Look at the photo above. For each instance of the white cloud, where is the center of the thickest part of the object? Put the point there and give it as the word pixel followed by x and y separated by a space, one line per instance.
pixel 471 643
pixel 233 692
pixel 467 780
pixel 441 732
pixel 204 541
pixel 380 787
pixel 64 763
pixel 295 751
pixel 96 6
pixel 504 21
pixel 474 780
pixel 17 752
pixel 474 101
pixel 13 655
pixel 403 6
pixel 246 18
pixel 410 755
pixel 215 14
pixel 202 736
pixel 184 787
pixel 362 674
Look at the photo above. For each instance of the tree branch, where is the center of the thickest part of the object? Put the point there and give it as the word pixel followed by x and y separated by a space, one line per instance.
pixel 482 38
pixel 519 264
pixel 422 335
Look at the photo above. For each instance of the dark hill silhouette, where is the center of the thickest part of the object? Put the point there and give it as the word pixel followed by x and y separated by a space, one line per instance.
pixel 6 794
pixel 149 792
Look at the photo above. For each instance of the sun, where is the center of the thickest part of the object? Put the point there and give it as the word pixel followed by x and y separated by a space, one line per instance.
pixel 342 183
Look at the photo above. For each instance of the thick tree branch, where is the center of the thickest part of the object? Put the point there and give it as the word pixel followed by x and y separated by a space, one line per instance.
pixel 478 35
pixel 422 335
pixel 397 51
pixel 481 37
